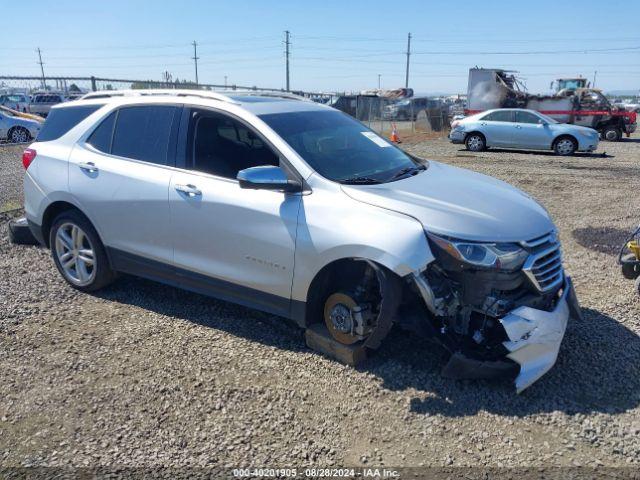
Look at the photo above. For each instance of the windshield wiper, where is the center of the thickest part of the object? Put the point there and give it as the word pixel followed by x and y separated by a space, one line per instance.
pixel 360 180
pixel 407 171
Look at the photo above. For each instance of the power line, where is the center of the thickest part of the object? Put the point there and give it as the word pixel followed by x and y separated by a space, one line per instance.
pixel 538 52
pixel 195 58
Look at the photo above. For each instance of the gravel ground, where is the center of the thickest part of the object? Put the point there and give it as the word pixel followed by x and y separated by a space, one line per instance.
pixel 146 375
pixel 11 172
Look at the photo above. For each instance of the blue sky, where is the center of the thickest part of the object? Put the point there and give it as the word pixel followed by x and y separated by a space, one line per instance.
pixel 336 45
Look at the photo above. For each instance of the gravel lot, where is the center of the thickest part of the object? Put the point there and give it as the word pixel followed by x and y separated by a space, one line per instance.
pixel 146 375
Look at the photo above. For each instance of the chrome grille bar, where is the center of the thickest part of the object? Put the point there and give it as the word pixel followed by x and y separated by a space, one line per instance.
pixel 543 268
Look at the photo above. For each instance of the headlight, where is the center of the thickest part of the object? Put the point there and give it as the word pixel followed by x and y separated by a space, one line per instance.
pixel 500 256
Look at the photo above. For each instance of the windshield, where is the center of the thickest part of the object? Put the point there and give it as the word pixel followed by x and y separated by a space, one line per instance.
pixel 340 148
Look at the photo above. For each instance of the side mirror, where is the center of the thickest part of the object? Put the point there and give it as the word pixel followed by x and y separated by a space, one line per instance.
pixel 543 123
pixel 267 177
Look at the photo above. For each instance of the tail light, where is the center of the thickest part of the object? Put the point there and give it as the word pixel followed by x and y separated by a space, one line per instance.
pixel 27 157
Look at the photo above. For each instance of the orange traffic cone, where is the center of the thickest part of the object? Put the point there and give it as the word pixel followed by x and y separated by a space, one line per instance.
pixel 395 138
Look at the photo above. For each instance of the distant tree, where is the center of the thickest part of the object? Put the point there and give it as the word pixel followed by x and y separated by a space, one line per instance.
pixel 74 88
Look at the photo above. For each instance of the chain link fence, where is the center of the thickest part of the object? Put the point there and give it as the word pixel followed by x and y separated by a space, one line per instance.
pixel 381 114
pixel 406 115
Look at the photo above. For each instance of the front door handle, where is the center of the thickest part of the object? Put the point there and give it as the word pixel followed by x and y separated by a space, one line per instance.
pixel 189 190
pixel 88 166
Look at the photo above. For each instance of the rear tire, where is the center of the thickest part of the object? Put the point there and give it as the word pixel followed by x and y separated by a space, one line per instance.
pixel 565 146
pixel 612 134
pixel 78 252
pixel 475 142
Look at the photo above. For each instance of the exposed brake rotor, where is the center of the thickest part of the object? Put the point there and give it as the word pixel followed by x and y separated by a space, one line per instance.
pixel 338 317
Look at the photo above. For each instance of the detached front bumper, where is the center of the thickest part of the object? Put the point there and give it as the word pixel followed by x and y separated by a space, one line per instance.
pixel 535 335
pixel 533 342
pixel 456 136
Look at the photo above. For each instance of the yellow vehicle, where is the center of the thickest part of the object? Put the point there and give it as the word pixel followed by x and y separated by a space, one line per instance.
pixel 16 113
pixel 629 258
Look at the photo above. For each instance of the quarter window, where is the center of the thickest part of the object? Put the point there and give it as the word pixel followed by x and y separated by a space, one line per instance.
pixel 222 146
pixel 499 116
pixel 101 137
pixel 526 117
pixel 142 133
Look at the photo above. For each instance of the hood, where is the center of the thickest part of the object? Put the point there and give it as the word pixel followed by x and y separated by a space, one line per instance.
pixel 460 203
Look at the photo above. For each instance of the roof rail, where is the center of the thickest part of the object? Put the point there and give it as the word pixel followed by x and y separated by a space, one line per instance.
pixel 271 93
pixel 150 92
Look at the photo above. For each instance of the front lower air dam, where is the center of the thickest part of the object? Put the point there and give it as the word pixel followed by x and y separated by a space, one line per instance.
pixel 535 336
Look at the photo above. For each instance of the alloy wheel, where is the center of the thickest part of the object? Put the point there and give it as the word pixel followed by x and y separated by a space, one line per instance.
pixel 565 147
pixel 475 143
pixel 19 135
pixel 75 254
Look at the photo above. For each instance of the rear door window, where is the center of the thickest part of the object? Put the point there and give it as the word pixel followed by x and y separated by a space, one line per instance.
pixel 499 116
pixel 143 133
pixel 61 120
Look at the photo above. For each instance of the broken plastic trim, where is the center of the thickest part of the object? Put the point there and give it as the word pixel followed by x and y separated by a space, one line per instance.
pixel 534 338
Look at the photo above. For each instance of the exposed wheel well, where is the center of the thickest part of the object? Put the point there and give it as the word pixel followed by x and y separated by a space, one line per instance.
pixel 52 212
pixel 331 275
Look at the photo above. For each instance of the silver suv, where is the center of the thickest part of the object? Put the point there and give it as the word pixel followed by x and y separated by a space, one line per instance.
pixel 297 209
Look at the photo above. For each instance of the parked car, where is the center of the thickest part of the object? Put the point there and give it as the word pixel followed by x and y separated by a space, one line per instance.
pixel 15 128
pixel 520 128
pixel 409 108
pixel 297 209
pixel 16 101
pixel 42 102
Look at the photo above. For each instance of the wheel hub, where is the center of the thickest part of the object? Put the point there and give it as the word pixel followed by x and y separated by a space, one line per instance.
pixel 338 317
pixel 341 318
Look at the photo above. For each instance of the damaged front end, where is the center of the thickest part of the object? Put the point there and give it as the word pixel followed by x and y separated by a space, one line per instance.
pixel 500 309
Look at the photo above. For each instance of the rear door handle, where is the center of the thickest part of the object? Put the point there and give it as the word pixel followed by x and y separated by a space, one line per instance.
pixel 88 166
pixel 518 126
pixel 189 190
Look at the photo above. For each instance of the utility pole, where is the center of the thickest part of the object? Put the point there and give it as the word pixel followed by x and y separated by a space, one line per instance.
pixel 595 74
pixel 379 81
pixel 44 82
pixel 406 78
pixel 287 43
pixel 225 82
pixel 195 58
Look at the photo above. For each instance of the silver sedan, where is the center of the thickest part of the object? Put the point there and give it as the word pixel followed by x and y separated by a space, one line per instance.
pixel 16 128
pixel 520 128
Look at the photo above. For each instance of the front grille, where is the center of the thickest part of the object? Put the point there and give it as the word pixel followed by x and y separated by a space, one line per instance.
pixel 544 265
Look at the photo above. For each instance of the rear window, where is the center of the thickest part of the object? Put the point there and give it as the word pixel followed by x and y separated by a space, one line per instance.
pixel 61 120
pixel 142 133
